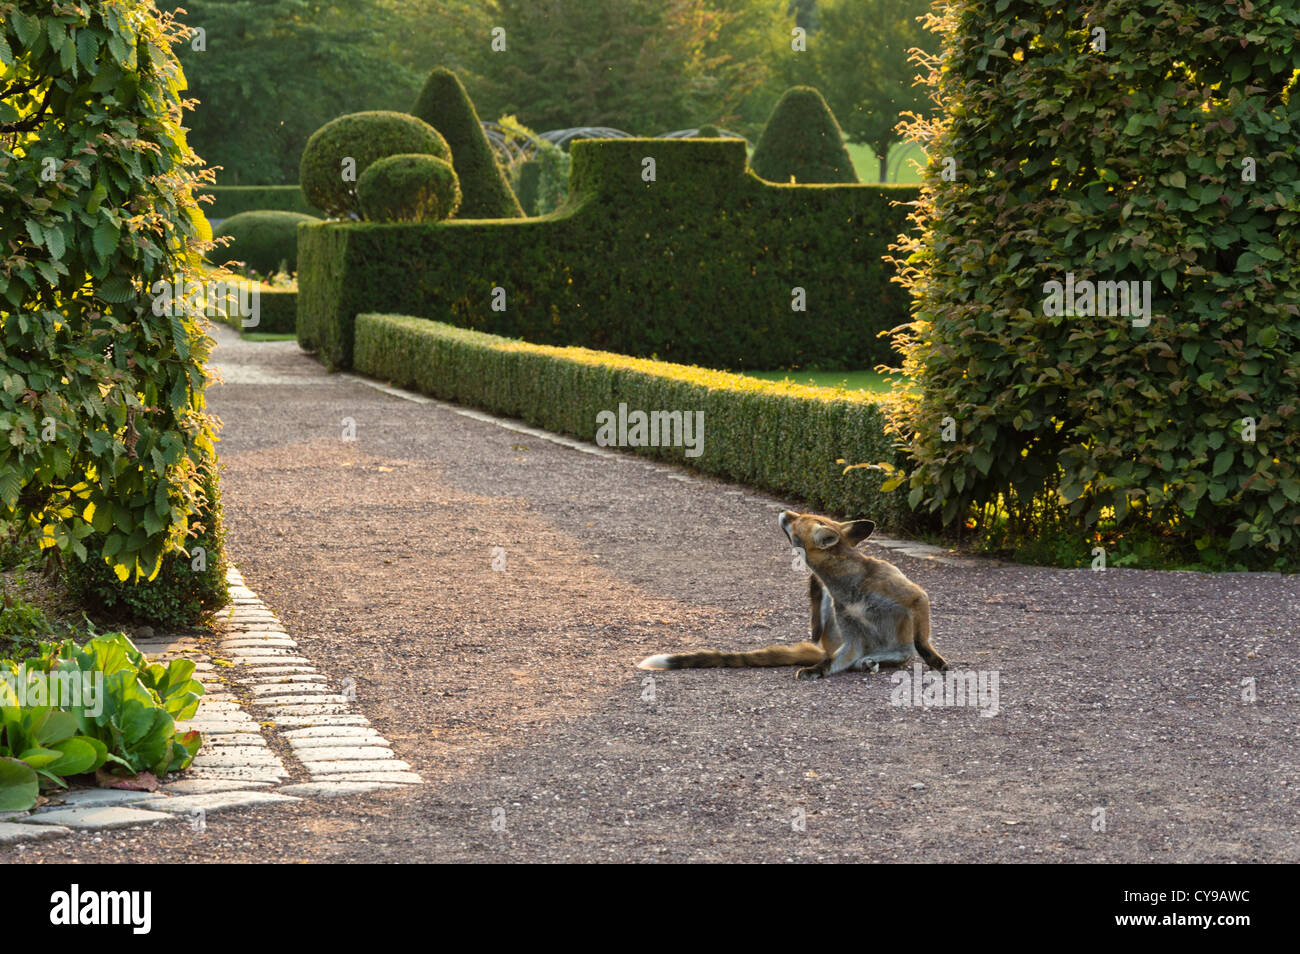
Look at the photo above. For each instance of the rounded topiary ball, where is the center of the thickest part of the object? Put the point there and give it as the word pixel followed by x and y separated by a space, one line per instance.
pixel 263 241
pixel 325 174
pixel 409 188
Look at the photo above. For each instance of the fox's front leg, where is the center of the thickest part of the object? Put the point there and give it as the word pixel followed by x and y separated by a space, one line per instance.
pixel 815 605
pixel 842 658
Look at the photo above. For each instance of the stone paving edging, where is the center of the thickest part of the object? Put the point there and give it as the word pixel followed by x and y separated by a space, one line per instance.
pixel 333 746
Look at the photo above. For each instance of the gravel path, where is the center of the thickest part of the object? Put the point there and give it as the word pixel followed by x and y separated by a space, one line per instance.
pixel 513 691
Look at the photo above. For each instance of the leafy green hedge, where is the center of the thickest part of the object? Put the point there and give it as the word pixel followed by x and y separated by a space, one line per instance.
pixel 1169 157
pixel 698 266
pixel 278 311
pixel 186 588
pixel 784 438
pixel 231 200
pixel 262 240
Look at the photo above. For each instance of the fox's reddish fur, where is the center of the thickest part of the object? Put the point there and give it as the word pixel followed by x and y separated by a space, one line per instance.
pixel 865 612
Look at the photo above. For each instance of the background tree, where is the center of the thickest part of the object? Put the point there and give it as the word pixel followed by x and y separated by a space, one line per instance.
pixel 859 57
pixel 273 71
pixel 647 66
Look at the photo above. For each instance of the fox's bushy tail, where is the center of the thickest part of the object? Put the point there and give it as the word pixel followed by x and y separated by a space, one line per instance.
pixel 780 654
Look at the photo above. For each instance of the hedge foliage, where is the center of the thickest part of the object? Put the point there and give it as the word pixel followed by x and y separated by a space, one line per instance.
pixel 102 409
pixel 444 105
pixel 785 438
pixel 339 152
pixel 228 201
pixel 277 312
pixel 1168 157
pixel 189 586
pixel 409 188
pixel 262 240
pixel 802 142
pixel 700 266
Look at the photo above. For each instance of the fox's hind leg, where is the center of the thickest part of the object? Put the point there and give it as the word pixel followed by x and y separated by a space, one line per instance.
pixel 919 620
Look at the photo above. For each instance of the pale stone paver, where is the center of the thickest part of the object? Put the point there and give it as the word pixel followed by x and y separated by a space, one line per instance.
pixel 96 816
pixel 337 789
pixel 11 833
pixel 209 786
pixel 220 801
pixel 356 765
pixel 99 797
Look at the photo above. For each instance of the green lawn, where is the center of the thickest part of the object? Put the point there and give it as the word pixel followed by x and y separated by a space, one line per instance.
pixel 853 380
pixel 903 160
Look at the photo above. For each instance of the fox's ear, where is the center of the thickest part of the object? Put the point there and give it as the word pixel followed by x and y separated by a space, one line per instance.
pixel 824 538
pixel 855 531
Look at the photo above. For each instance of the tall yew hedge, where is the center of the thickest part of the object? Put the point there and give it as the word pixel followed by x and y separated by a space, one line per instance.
pixel 102 423
pixel 1165 151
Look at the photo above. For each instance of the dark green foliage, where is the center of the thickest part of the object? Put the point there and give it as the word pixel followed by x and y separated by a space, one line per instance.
pixel 530 174
pixel 231 200
pixel 802 140
pixel 1122 165
pixel 697 267
pixel 444 105
pixel 181 594
pixel 278 311
pixel 785 438
pixel 409 188
pixel 708 132
pixel 262 240
pixel 363 138
pixel 101 397
pixel 273 71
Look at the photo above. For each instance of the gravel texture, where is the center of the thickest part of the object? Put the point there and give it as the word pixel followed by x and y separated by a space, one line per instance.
pixel 513 692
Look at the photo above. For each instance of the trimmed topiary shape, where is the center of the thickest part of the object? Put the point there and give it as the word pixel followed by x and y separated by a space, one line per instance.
pixel 802 140
pixel 444 105
pixel 262 240
pixel 409 188
pixel 365 138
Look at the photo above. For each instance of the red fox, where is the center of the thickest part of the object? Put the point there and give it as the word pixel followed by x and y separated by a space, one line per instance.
pixel 865 612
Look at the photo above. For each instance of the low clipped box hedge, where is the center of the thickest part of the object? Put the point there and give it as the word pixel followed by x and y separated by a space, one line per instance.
pixel 229 201
pixel 700 266
pixel 785 438
pixel 278 311
pixel 262 240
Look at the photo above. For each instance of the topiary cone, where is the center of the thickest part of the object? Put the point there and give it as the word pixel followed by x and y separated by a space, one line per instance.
pixel 802 139
pixel 485 193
